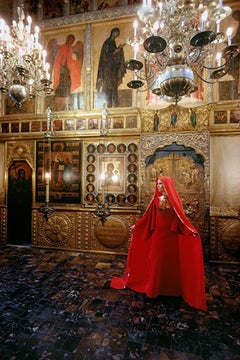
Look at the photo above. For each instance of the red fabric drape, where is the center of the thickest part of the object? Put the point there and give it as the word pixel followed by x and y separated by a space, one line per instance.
pixel 165 254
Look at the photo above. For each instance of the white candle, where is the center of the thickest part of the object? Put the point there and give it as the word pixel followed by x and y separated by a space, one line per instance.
pixel 36 35
pixel 160 8
pixel 218 58
pixel 229 35
pixel 204 19
pixel 135 25
pixel 47 176
pixel 135 51
pixel 29 20
pixel 2 29
pixel 44 55
pixel 155 27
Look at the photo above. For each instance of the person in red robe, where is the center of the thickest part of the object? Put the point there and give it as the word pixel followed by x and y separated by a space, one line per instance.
pixel 165 255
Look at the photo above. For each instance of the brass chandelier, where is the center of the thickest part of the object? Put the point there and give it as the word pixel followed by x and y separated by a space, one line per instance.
pixel 182 44
pixel 23 67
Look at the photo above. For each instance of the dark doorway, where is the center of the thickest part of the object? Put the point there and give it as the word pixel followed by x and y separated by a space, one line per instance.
pixel 19 203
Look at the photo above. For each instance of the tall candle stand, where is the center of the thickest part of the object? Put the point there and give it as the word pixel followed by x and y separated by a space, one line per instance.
pixel 45 209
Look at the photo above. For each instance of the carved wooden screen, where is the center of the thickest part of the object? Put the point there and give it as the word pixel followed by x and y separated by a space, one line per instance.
pixel 187 168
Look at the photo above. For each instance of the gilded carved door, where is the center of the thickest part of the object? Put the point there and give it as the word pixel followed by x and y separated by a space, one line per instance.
pixel 187 168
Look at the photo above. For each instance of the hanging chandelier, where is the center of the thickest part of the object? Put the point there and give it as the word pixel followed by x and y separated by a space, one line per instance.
pixel 182 45
pixel 23 67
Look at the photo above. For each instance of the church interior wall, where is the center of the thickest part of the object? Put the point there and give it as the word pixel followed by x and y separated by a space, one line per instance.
pixel 199 149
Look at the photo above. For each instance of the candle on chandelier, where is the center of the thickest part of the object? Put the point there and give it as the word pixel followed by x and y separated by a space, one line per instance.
pixel 47 66
pixel 29 21
pixel 155 27
pixel 36 35
pixel 204 19
pixel 229 35
pixel 219 59
pixel 135 25
pixel 135 51
pixel 160 8
pixel 7 38
pixel 2 29
pixel 20 54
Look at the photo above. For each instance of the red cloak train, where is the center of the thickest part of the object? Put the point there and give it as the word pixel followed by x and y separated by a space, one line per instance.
pixel 165 255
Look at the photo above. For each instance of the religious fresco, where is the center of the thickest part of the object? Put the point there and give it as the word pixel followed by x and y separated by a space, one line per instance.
pixel 53 9
pixel 65 55
pixel 110 77
pixel 80 6
pixel 62 160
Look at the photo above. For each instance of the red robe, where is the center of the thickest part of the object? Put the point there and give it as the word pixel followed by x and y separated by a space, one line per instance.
pixel 165 254
pixel 72 57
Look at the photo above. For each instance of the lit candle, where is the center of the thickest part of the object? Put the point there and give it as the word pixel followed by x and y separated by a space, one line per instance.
pixel 135 51
pixel 31 81
pixel 47 176
pixel 160 8
pixel 155 27
pixel 218 58
pixel 47 66
pixel 7 38
pixel 36 35
pixel 135 25
pixel 229 35
pixel 204 19
pixel 2 27
pixel 44 55
pixel 29 20
pixel 29 45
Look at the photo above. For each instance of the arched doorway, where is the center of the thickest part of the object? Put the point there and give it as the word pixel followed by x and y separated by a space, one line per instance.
pixel 186 166
pixel 19 203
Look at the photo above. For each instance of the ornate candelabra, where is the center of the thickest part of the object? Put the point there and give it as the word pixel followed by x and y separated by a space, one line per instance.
pixel 102 210
pixel 46 209
pixel 23 67
pixel 178 44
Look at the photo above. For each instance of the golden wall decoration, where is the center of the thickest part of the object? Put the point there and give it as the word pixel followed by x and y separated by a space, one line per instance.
pixel 225 239
pixel 81 230
pixel 175 118
pixel 113 225
pixel 183 156
pixel 21 150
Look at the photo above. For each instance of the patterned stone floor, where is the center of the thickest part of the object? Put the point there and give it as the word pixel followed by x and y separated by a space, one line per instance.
pixel 58 305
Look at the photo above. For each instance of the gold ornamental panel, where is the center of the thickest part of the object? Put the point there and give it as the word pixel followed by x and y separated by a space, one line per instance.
pixel 225 239
pixel 176 118
pixel 113 234
pixel 81 230
pixel 58 229
pixel 231 238
pixel 21 150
